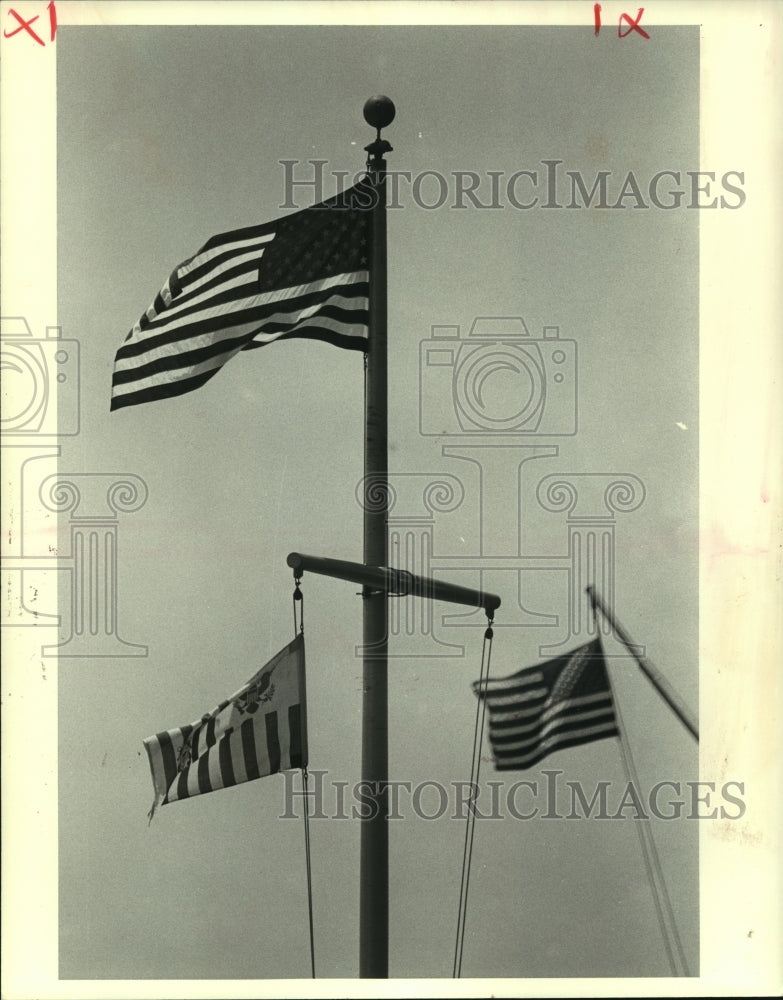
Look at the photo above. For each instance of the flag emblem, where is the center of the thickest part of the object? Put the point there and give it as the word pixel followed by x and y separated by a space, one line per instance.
pixel 256 695
pixel 305 275
pixel 237 741
pixel 561 703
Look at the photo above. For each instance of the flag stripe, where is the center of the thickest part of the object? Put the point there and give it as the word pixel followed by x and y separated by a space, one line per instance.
pixel 162 391
pixel 219 247
pixel 231 281
pixel 173 741
pixel 181 787
pixel 191 776
pixel 165 372
pixel 156 389
pixel 214 772
pixel 157 767
pixel 518 741
pixel 272 741
pixel 562 743
pixel 209 732
pixel 553 742
pixel 518 696
pixel 226 760
pixel 195 740
pixel 168 756
pixel 331 324
pixel 238 757
pixel 509 713
pixel 204 784
pixel 249 748
pixel 239 259
pixel 334 320
pixel 349 291
pixel 523 679
pixel 295 730
pixel 527 730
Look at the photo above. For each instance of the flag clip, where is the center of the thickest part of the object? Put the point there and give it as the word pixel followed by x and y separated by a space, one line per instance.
pixel 298 597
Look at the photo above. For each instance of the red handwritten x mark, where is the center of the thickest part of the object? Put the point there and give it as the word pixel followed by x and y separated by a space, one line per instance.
pixel 634 25
pixel 25 25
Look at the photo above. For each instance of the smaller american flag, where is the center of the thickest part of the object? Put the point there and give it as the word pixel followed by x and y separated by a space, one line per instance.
pixel 560 703
pixel 305 275
pixel 260 730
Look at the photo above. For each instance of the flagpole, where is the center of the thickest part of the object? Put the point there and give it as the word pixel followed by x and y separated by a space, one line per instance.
pixel 374 855
pixel 656 678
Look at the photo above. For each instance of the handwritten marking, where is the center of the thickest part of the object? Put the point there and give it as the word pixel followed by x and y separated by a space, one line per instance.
pixel 633 23
pixel 27 25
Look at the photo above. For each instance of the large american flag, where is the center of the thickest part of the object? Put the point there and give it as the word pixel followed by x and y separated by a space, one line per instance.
pixel 260 730
pixel 304 275
pixel 560 703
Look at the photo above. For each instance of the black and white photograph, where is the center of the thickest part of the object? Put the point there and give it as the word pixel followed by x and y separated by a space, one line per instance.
pixel 391 499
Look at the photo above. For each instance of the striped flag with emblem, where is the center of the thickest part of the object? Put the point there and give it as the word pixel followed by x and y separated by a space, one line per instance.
pixel 304 275
pixel 260 730
pixel 560 703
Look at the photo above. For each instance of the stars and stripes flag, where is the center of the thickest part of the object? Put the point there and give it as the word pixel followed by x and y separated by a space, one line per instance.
pixel 304 275
pixel 560 703
pixel 260 730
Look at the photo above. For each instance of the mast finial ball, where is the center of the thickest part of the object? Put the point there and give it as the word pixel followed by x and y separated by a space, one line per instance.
pixel 379 111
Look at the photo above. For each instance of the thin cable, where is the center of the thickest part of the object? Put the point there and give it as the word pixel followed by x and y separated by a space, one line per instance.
pixel 475 769
pixel 650 856
pixel 308 866
pixel 473 815
pixel 651 859
pixel 476 726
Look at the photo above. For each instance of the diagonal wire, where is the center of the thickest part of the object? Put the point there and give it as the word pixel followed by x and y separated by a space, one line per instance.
pixel 475 768
pixel 652 863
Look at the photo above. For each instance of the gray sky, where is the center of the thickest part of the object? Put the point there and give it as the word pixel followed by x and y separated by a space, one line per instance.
pixel 169 135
